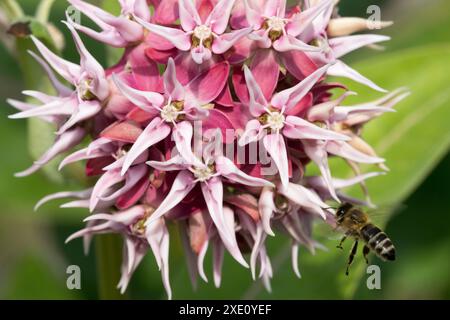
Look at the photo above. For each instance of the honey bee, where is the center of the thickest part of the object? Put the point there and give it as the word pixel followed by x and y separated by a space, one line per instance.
pixel 356 224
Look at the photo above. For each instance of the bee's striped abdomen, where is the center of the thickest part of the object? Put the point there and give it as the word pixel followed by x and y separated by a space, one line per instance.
pixel 378 241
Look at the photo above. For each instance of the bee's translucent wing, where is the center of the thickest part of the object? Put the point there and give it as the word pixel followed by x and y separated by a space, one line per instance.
pixel 380 214
pixel 323 230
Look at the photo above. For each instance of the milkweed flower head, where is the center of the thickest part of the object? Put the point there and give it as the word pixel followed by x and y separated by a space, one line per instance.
pixel 209 121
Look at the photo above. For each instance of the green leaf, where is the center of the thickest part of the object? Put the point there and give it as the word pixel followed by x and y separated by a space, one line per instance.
pixel 413 141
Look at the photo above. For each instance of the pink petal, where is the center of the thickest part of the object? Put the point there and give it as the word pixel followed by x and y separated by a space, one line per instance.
pixel 158 43
pixel 91 66
pixel 272 8
pixel 261 38
pixel 132 196
pixel 126 217
pixel 245 202
pixel 189 17
pixel 340 69
pixel 147 101
pixel 58 107
pixel 95 166
pixel 322 21
pixel 344 183
pixel 86 110
pixel 345 150
pixel 254 17
pixel 171 84
pixel 228 169
pixel 305 198
pixel 302 20
pixel 64 142
pixel 289 43
pixel 290 97
pixel 139 8
pixel 165 263
pixel 257 102
pixel 218 251
pixel 68 70
pixel 161 56
pixel 213 194
pixel 218 18
pixel 224 42
pixel 158 238
pixel 304 104
pixel 298 128
pixel 138 115
pixel 240 85
pixel 265 70
pixel 144 71
pixel 258 251
pixel 166 12
pixel 122 131
pixel 198 230
pixel 316 151
pixel 179 38
pixel 343 45
pixel 298 64
pixel 209 84
pixel 324 111
pixel 233 247
pixel 111 26
pixel 182 135
pixel 173 164
pixel 275 146
pixel 23 106
pixel 59 87
pixel 182 185
pixel 225 98
pixel 64 194
pixel 107 180
pixel 253 132
pixel 241 51
pixel 219 120
pixel 267 207
pixel 97 229
pixel 132 177
pixel 294 255
pixel 81 155
pixel 342 113
pixel 156 131
pixel 200 261
pixel 205 7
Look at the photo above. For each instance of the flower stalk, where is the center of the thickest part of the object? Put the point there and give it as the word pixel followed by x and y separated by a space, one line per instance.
pixel 108 257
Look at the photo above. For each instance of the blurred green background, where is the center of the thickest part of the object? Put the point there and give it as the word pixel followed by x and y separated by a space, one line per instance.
pixel 33 257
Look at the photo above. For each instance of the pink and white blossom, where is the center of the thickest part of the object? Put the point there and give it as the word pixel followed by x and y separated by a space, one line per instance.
pixel 168 135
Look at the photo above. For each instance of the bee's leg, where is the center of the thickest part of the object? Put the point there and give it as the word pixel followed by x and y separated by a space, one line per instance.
pixel 366 251
pixel 339 246
pixel 351 256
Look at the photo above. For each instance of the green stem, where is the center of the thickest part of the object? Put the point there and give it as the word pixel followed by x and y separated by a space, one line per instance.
pixel 43 11
pixel 13 9
pixel 108 249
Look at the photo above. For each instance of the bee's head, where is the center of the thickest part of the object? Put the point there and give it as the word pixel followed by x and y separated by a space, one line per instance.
pixel 343 209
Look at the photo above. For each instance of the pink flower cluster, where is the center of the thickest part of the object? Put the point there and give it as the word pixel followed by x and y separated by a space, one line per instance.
pixel 208 121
